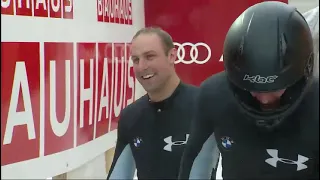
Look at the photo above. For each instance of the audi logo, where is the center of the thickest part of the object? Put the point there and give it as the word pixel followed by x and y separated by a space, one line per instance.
pixel 194 53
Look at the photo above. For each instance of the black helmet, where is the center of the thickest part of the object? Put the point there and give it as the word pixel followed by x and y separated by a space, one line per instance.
pixel 268 48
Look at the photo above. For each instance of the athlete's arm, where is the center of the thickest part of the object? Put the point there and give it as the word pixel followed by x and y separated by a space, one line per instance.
pixel 315 174
pixel 123 164
pixel 201 153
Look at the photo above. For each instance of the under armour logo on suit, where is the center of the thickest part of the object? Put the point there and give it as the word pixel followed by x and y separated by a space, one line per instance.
pixel 169 142
pixel 275 159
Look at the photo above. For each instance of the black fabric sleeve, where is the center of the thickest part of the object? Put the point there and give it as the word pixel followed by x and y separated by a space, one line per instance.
pixel 123 164
pixel 201 147
pixel 316 169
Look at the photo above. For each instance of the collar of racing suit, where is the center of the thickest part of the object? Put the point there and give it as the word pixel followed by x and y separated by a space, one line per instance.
pixel 164 104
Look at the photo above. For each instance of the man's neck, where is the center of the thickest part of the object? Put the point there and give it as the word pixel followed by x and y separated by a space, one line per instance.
pixel 165 91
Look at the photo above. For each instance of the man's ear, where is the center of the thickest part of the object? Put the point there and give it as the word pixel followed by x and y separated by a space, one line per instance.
pixel 172 55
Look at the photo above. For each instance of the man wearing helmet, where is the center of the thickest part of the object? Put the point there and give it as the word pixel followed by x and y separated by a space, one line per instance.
pixel 263 109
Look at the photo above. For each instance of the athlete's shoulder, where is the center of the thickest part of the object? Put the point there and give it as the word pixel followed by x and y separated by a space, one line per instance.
pixel 215 96
pixel 133 110
pixel 187 96
pixel 136 106
pixel 190 89
pixel 191 86
pixel 308 109
pixel 309 115
pixel 315 86
pixel 313 95
pixel 215 80
pixel 216 85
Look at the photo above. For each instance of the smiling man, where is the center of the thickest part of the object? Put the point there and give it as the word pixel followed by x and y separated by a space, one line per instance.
pixel 154 130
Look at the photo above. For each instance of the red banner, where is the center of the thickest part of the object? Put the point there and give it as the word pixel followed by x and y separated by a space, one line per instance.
pixel 38 8
pixel 56 96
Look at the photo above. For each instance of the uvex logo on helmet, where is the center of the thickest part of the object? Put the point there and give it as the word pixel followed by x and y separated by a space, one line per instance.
pixel 195 52
pixel 260 79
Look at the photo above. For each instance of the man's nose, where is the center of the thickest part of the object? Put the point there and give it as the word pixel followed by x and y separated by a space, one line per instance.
pixel 143 64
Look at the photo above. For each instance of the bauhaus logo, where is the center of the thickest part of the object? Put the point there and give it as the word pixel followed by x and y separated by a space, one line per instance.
pixel 38 8
pixel 115 11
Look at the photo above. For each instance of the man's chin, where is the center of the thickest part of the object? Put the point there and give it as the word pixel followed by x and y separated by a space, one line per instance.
pixel 150 89
pixel 270 107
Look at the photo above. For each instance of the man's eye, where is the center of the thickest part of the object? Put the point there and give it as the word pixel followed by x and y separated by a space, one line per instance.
pixel 150 56
pixel 135 60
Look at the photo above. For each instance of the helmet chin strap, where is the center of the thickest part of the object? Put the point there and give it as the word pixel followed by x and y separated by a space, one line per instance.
pixel 268 107
pixel 269 121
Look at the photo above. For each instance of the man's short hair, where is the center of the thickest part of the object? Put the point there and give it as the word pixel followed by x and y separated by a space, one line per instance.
pixel 165 37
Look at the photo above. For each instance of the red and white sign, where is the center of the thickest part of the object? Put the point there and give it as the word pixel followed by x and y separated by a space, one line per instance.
pixel 115 11
pixel 56 96
pixel 65 79
pixel 38 8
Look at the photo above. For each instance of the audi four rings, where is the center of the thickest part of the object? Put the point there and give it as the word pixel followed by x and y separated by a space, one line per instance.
pixel 194 53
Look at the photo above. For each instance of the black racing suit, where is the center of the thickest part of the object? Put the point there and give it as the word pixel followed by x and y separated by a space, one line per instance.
pixel 291 152
pixel 152 138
